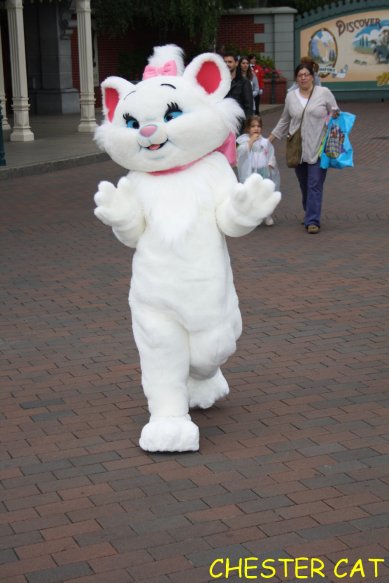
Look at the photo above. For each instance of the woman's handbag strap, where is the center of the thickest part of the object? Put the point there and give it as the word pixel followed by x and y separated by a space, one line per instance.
pixel 302 117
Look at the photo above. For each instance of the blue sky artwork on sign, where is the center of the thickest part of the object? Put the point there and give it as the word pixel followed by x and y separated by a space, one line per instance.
pixel 374 39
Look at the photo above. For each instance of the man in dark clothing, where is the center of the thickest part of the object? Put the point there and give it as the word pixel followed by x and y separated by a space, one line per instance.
pixel 241 89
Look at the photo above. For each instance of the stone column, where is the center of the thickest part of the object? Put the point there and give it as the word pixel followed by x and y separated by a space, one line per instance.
pixel 3 99
pixel 284 42
pixel 87 95
pixel 20 105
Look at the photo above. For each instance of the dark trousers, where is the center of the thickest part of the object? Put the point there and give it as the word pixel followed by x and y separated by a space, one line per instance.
pixel 311 179
pixel 257 100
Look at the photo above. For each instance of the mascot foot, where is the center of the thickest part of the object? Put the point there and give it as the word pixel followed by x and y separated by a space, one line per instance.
pixel 204 393
pixel 170 434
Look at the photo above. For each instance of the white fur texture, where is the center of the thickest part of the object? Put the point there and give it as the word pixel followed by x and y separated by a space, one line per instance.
pixel 166 53
pixel 185 312
pixel 180 434
pixel 204 393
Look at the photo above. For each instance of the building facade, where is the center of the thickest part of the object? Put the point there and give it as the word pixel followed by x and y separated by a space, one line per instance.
pixel 36 63
pixel 52 61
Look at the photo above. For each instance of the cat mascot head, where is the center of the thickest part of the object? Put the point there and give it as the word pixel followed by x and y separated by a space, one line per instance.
pixel 172 118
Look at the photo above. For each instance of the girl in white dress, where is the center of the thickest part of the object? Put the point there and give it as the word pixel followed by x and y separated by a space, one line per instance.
pixel 256 156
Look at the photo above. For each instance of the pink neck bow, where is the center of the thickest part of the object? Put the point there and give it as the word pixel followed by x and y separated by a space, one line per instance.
pixel 169 68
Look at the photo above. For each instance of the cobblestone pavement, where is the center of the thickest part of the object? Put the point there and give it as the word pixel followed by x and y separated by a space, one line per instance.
pixel 294 463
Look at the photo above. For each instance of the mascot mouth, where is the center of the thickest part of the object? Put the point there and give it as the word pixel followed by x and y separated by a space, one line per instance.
pixel 156 146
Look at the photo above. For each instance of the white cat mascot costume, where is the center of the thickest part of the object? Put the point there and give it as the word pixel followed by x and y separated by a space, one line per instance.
pixel 175 206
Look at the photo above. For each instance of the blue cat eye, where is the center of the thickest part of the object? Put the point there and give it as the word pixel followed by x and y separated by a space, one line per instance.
pixel 172 115
pixel 172 112
pixel 131 122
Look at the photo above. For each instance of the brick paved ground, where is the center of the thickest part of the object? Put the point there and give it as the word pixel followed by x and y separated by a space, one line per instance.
pixel 294 463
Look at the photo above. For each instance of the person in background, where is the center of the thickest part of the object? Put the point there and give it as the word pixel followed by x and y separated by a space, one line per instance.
pixel 260 75
pixel 256 155
pixel 246 71
pixel 314 66
pixel 320 104
pixel 241 89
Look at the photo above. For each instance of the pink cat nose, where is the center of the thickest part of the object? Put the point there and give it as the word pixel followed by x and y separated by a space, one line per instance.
pixel 149 130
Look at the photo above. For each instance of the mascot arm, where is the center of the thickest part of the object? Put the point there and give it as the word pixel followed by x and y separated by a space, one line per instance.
pixel 119 209
pixel 249 204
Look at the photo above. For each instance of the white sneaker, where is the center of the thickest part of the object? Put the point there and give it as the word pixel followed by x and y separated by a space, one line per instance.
pixel 269 222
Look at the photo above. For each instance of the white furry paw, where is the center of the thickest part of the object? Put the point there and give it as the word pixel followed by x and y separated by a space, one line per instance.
pixel 170 434
pixel 115 206
pixel 256 198
pixel 204 393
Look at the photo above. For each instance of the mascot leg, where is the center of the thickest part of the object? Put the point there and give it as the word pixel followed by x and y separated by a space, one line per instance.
pixel 208 350
pixel 164 354
pixel 204 392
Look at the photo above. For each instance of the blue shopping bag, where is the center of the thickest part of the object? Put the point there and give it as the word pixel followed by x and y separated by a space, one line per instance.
pixel 337 151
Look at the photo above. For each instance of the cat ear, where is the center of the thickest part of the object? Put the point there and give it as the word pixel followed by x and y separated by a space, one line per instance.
pixel 114 89
pixel 209 72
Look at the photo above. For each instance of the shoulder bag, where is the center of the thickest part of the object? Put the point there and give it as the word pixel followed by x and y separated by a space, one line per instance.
pixel 294 145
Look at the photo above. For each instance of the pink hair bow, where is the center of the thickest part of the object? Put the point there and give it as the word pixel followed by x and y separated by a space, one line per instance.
pixel 169 68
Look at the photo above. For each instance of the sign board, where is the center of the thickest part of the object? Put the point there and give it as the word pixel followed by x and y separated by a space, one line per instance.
pixel 350 48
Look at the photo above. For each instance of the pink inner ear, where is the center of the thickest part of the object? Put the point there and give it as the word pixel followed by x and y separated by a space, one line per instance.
pixel 111 99
pixel 209 76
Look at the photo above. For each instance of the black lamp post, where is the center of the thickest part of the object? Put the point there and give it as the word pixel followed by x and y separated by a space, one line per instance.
pixel 2 152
